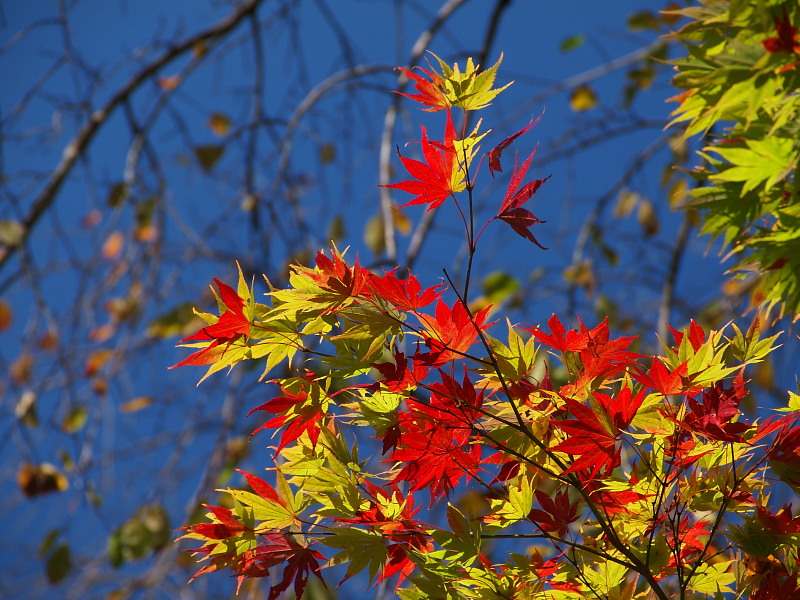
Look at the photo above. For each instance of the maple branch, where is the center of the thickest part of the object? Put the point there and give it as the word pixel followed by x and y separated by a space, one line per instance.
pixel 78 145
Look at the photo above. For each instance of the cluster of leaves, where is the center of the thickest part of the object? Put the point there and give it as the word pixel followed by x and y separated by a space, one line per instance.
pixel 741 80
pixel 631 476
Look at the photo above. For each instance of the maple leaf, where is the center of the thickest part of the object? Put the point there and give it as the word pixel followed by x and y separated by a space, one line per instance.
pixel 777 587
pixel 556 514
pixel 661 379
pixel 696 335
pixel 431 92
pixel 337 276
pixel 392 515
pixel 472 89
pixel 404 294
pixel 592 434
pixel 439 176
pixel 450 333
pixel 494 153
pixel 785 453
pixel 225 340
pixel 713 415
pixel 434 435
pixel 511 211
pixel 302 407
pixel 786 40
pixel 397 377
pixel 435 459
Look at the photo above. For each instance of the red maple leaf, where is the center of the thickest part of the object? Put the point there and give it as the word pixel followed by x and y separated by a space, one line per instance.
pixel 435 441
pixel 433 180
pixel 450 333
pixel 713 415
pixel 402 530
pixel 299 410
pixel 556 514
pixel 592 434
pixel 231 326
pixel 786 40
pixel 405 294
pixel 559 338
pixel 661 379
pixel 696 335
pixel 338 277
pixel 777 587
pixel 511 211
pixel 397 377
pixel 430 92
pixel 494 153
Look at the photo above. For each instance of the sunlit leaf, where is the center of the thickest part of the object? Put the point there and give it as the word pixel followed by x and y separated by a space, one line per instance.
pixel 112 247
pixel 647 217
pixel 219 124
pixel 12 233
pixel 75 419
pixel 582 99
pixel 25 410
pixel 136 404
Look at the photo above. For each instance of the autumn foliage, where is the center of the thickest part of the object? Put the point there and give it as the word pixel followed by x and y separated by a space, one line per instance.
pixel 516 461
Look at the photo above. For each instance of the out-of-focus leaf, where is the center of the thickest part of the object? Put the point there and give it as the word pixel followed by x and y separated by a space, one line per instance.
pixel 499 286
pixel 648 218
pixel 25 410
pixel 582 99
pixel 59 564
pixel 35 480
pixel 401 222
pixel 66 460
pixel 374 234
pixel 207 156
pixel 571 42
pixel 643 19
pixel 20 370
pixel 96 361
pixel 145 532
pixel 48 542
pixel 667 16
pixel 75 419
pixel 678 193
pixel 327 153
pixel 642 76
pixel 136 404
pixel 336 230
pixel 626 202
pixel 181 320
pixel 219 124
pixel 92 218
pixel 118 194
pixel 12 233
pixel 5 315
pixel 48 341
pixel 169 83
pixel 581 275
pixel 112 247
